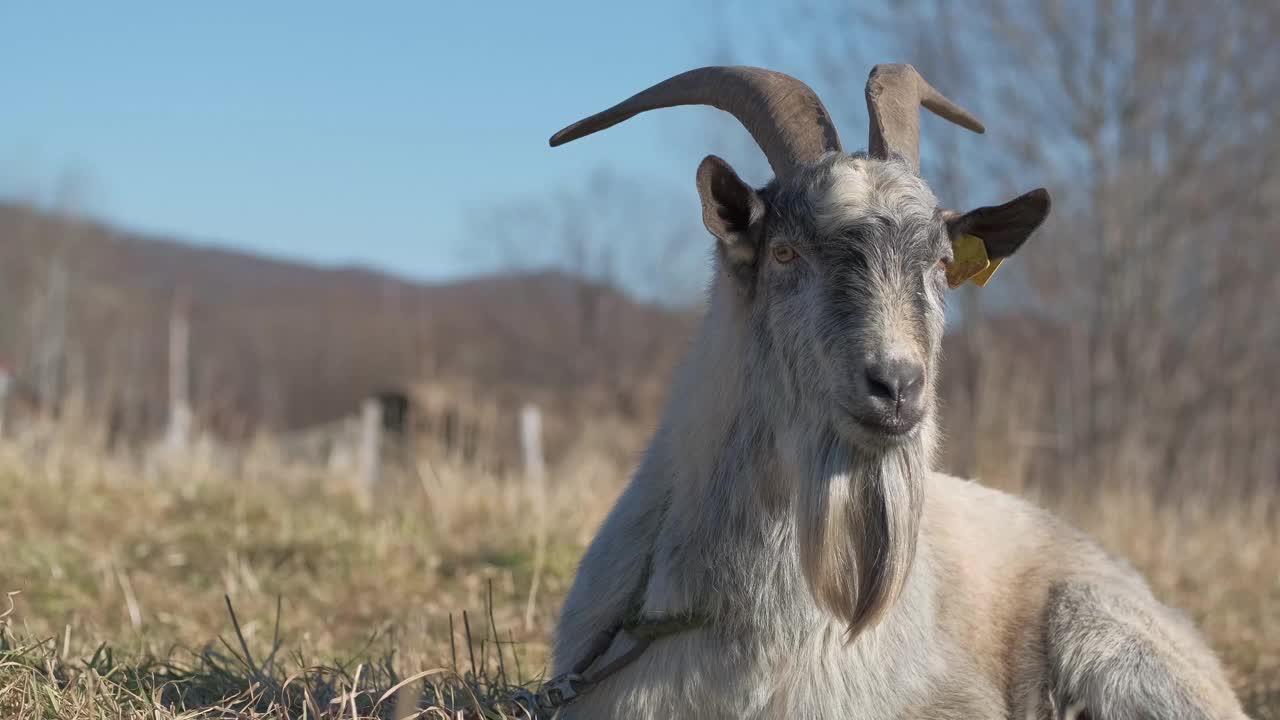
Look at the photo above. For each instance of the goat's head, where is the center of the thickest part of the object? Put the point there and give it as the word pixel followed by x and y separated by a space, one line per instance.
pixel 837 270
pixel 841 260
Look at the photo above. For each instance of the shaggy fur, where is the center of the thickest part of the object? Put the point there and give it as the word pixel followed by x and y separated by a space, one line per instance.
pixel 841 576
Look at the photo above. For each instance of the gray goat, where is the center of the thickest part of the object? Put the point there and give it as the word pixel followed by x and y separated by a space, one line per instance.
pixel 785 549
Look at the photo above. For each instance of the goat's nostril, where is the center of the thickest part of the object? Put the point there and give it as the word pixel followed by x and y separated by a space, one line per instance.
pixel 894 381
pixel 881 386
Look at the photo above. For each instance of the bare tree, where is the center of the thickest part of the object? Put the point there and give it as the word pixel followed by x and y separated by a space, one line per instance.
pixel 1157 124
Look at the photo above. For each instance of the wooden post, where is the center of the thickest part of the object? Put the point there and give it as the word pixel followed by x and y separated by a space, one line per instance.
pixel 180 416
pixel 52 340
pixel 5 383
pixel 535 472
pixel 370 452
pixel 531 444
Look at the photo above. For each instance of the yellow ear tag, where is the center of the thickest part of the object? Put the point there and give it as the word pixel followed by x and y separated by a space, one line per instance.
pixel 970 260
pixel 982 278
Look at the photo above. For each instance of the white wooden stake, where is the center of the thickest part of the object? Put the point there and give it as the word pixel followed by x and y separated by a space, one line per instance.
pixel 370 452
pixel 535 471
pixel 180 415
pixel 5 382
pixel 531 444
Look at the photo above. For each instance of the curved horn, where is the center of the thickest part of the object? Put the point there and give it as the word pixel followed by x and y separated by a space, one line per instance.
pixel 894 96
pixel 783 115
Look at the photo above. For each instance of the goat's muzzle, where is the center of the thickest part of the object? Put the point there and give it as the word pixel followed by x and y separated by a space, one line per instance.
pixel 892 400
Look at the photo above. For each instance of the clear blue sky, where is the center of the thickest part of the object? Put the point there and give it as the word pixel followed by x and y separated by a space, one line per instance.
pixel 337 133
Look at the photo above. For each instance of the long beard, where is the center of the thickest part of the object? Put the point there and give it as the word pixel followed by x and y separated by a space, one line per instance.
pixel 858 517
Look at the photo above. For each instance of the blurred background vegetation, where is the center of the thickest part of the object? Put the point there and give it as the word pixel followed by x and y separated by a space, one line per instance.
pixel 181 421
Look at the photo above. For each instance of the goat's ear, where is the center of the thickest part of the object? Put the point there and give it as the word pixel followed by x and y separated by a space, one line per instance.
pixel 1002 228
pixel 731 210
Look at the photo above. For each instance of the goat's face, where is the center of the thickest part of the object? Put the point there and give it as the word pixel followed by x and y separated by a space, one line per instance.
pixel 850 288
pixel 842 270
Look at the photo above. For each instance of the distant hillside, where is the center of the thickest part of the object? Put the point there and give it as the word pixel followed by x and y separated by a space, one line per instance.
pixel 286 346
pixel 289 344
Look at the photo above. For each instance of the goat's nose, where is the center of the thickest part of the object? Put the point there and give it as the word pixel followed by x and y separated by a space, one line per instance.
pixel 895 381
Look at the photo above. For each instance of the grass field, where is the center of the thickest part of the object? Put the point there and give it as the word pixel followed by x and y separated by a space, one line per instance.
pixel 121 587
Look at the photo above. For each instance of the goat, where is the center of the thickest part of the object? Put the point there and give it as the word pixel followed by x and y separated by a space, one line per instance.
pixel 787 499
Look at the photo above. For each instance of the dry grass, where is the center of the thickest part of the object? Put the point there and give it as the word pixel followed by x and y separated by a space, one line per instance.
pixel 101 554
pixel 124 583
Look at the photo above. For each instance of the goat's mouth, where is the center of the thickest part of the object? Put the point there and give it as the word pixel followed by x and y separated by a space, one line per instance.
pixel 879 430
pixel 892 429
pixel 885 434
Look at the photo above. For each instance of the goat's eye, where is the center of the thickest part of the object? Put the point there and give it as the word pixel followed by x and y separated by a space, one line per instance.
pixel 783 253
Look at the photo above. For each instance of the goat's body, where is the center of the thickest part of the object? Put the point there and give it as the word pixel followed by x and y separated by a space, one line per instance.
pixel 970 638
pixel 788 499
